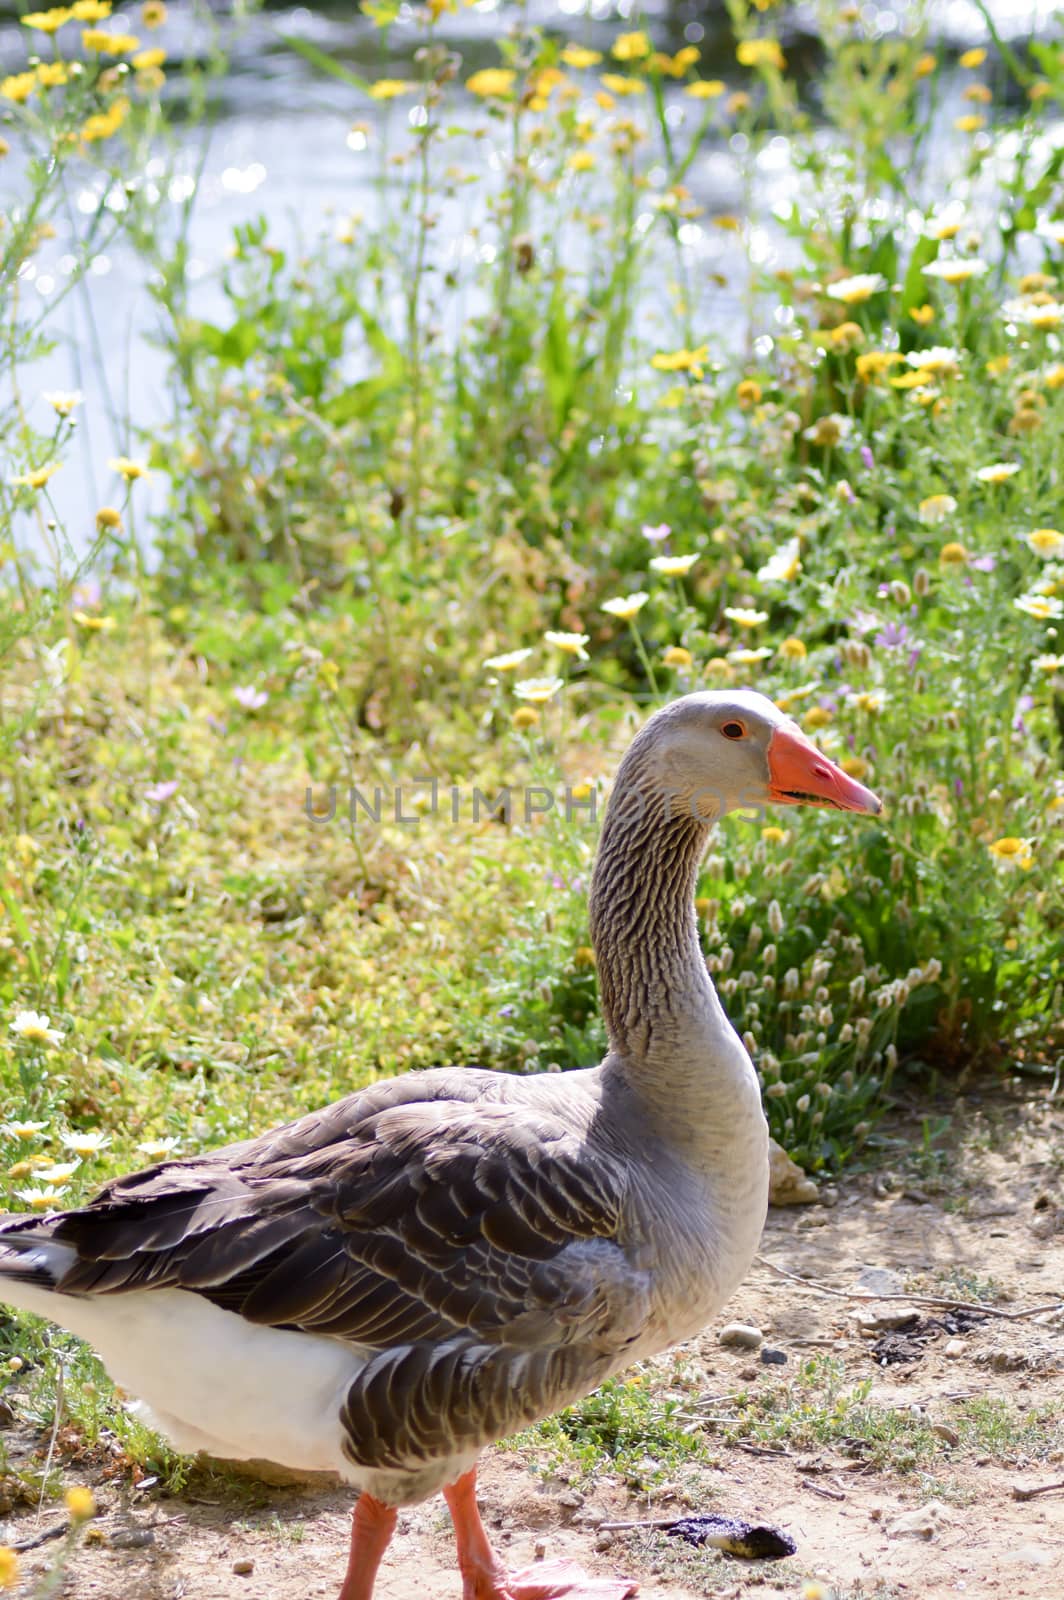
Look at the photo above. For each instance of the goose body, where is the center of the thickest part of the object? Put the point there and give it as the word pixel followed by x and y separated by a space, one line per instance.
pixel 384 1287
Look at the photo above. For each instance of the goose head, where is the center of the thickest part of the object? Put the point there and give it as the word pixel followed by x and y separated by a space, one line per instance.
pixel 726 750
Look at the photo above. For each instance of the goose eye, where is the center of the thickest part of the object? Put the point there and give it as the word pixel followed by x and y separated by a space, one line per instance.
pixel 733 730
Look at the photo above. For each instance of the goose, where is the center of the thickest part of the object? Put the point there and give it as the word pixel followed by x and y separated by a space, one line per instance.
pixel 386 1286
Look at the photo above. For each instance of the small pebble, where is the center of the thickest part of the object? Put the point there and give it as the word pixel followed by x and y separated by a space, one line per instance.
pixel 540 1550
pixel 131 1538
pixel 243 1568
pixel 603 1540
pixel 954 1348
pixel 740 1336
pixel 773 1358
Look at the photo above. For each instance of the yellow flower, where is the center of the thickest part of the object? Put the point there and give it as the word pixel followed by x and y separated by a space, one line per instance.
pixel 583 956
pixel 108 44
pixel 570 644
pixel 153 13
pixel 94 624
pixel 631 46
pixel 39 1199
pixel 91 10
pixel 677 656
pixel 52 74
pixel 971 122
pixel 57 1173
pixel 18 87
pixel 1042 607
pixel 107 518
pixel 936 508
pixel 104 124
pixel 626 606
pixel 1045 541
pixel 492 82
pixel 973 58
pixel 1013 852
pixel 858 288
pixel 743 657
pixel 875 362
pixel 745 617
pixel 34 1027
pixel 8 1567
pixel 847 336
pixel 89 1143
pixel 507 662
pixel 922 315
pixel 706 89
pixel 538 690
pixel 761 53
pixel 673 566
pixel 940 359
pixel 794 649
pixel 1044 664
pixel 872 703
pixel 979 94
pixel 1053 377
pixel 575 55
pixel 46 21
pixel 924 66
pixel 956 271
pixel 145 60
pixel 827 431
pixel 997 472
pixel 737 103
pixel 681 360
pixel 997 365
pixel 817 717
pixel 855 767
pixel 953 554
pixel 23 1130
pixel 37 477
pixel 773 835
pixel 622 86
pixel 914 380
pixel 1044 317
pixel 524 717
pixel 150 78
pixel 748 393
pixel 391 88
pixel 783 566
pixel 129 469
pixel 581 161
pixel 81 1503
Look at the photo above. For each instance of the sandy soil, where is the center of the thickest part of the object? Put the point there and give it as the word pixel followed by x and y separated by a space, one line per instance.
pixel 991 1205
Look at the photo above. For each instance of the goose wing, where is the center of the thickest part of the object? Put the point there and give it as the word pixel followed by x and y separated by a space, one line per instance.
pixel 385 1220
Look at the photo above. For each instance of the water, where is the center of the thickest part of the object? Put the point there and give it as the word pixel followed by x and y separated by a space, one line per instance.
pixel 281 145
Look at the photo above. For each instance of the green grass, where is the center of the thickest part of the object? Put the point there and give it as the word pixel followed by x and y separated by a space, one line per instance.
pixel 648 1429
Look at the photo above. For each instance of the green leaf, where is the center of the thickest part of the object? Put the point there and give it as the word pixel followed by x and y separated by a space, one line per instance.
pixel 323 62
pixel 559 366
pixel 914 289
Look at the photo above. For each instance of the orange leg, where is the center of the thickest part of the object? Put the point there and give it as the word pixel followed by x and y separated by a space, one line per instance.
pixel 372 1525
pixel 485 1578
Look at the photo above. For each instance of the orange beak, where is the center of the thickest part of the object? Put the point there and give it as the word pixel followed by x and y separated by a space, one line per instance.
pixel 800 774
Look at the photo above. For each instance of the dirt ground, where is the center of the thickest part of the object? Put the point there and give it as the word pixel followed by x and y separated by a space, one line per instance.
pixel 987 1203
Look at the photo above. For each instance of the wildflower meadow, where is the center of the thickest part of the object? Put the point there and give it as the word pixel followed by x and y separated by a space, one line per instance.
pixel 636 368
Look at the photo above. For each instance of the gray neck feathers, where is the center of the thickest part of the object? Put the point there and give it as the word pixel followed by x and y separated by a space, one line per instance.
pixel 652 977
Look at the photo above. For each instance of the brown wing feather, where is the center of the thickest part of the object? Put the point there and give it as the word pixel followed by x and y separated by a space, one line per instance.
pixel 388 1218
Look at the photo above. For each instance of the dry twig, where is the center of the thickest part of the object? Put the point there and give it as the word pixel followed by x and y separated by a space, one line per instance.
pixel 908 1299
pixel 1019 1493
